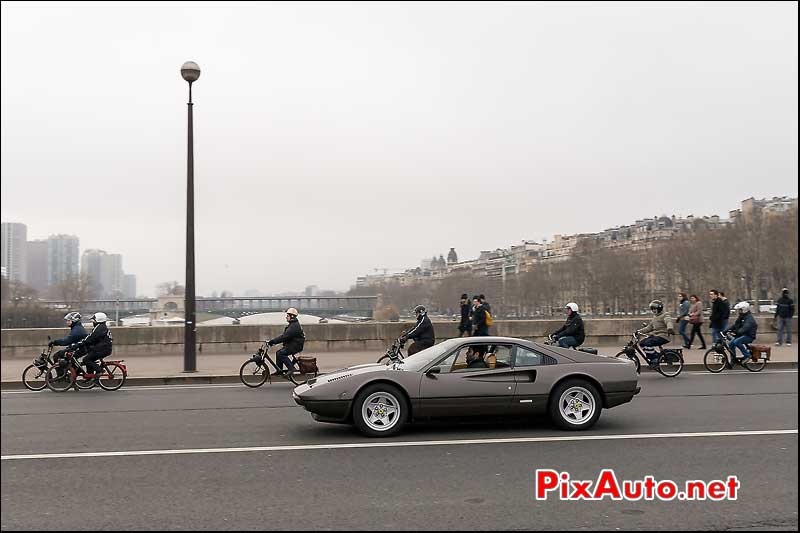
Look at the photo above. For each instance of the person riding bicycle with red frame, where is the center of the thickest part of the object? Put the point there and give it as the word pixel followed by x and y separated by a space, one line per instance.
pixel 97 344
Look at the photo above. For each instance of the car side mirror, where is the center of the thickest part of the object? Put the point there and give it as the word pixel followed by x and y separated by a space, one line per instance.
pixel 435 370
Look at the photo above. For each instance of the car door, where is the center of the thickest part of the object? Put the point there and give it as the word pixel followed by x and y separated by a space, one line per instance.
pixel 459 390
pixel 534 373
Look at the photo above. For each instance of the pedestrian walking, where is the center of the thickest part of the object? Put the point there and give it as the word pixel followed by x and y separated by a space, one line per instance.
pixel 783 316
pixel 696 320
pixel 717 323
pixel 683 317
pixel 726 310
pixel 465 326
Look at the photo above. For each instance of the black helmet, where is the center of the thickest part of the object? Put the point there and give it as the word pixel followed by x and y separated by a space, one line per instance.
pixel 657 306
pixel 419 310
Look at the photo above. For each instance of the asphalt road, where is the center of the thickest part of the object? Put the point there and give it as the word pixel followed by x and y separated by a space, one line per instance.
pixel 426 478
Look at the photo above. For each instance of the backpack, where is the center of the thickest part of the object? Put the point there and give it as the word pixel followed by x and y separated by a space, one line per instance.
pixel 489 319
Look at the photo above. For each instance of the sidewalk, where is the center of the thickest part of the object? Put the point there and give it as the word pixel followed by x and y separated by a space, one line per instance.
pixel 220 367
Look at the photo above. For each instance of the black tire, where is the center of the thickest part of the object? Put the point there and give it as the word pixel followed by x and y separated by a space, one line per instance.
pixel 755 366
pixel 34 378
pixel 375 395
pixel 714 361
pixel 294 376
pixel 85 384
pixel 383 359
pixel 253 374
pixel 62 383
pixel 670 363
pixel 113 377
pixel 574 394
pixel 633 358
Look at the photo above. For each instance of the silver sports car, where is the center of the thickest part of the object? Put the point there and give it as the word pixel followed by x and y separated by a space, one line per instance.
pixel 472 377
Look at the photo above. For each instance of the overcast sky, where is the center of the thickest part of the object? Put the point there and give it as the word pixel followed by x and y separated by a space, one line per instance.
pixel 331 139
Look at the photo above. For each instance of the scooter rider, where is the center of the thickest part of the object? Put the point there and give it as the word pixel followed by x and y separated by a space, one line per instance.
pixel 422 334
pixel 97 345
pixel 292 339
pixel 745 329
pixel 76 334
pixel 659 329
pixel 571 334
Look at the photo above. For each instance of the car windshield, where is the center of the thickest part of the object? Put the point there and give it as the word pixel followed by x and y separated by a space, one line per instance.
pixel 420 360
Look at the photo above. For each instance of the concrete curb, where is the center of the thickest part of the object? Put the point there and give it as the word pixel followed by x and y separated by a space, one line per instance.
pixel 190 379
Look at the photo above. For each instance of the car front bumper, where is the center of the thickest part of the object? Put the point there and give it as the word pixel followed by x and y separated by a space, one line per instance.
pixel 336 411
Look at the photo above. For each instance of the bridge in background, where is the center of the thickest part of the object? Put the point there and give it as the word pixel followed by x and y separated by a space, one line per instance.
pixel 234 306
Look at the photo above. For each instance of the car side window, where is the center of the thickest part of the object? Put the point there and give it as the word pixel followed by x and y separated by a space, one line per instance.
pixel 482 356
pixel 526 357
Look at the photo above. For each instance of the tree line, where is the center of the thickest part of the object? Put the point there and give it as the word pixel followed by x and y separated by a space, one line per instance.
pixel 751 259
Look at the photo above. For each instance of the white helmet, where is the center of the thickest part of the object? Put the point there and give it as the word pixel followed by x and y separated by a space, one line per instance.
pixel 573 306
pixel 74 316
pixel 742 307
pixel 99 317
pixel 291 311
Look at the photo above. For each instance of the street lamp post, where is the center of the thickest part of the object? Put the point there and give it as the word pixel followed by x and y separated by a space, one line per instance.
pixel 190 72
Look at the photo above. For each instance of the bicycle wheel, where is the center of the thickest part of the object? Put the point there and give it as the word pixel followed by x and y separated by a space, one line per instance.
pixel 34 378
pixel 253 374
pixel 59 383
pixel 295 377
pixel 670 363
pixel 714 361
pixel 632 358
pixel 85 384
pixel 113 377
pixel 755 366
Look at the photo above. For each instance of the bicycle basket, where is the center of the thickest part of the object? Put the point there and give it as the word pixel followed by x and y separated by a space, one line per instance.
pixel 307 364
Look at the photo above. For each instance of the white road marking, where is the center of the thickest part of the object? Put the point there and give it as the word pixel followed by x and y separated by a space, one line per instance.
pixel 404 444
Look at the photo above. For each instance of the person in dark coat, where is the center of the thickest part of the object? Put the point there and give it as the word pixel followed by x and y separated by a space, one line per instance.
pixel 292 339
pixel 76 334
pixel 97 345
pixel 718 322
pixel 422 334
pixel 745 329
pixel 571 334
pixel 479 318
pixel 784 311
pixel 465 326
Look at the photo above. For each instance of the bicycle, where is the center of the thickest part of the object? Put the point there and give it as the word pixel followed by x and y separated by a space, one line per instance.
pixel 255 371
pixel 34 377
pixel 719 356
pixel 394 352
pixel 669 363
pixel 111 377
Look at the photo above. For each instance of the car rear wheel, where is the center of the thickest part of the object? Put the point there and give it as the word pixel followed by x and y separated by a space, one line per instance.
pixel 575 405
pixel 380 410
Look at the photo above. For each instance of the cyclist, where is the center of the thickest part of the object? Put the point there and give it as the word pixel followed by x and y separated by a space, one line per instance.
pixel 96 345
pixel 292 339
pixel 422 334
pixel 76 333
pixel 571 334
pixel 745 329
pixel 659 328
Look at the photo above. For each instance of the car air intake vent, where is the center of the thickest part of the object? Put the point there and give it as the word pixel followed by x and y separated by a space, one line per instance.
pixel 337 378
pixel 547 360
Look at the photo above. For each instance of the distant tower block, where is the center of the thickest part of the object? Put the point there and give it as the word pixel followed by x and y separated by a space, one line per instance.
pixel 452 257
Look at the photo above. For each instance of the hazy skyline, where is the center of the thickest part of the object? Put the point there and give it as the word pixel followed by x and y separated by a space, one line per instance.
pixel 331 139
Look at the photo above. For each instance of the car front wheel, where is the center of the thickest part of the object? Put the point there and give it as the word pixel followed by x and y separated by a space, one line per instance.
pixel 575 405
pixel 380 410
